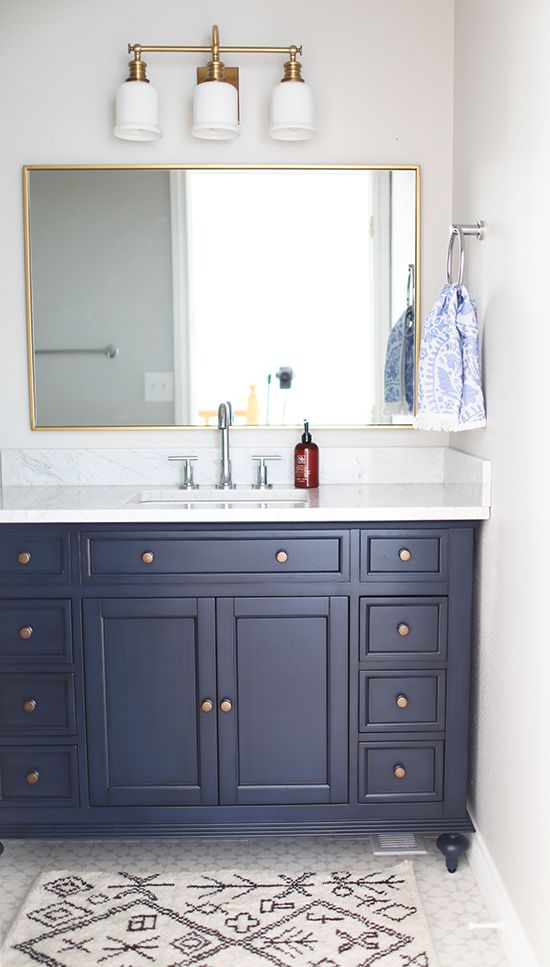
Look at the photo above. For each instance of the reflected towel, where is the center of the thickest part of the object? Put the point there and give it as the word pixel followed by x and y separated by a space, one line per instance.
pixel 399 365
pixel 450 396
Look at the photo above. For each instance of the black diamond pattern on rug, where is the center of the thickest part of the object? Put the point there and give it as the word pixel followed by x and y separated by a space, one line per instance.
pixel 223 919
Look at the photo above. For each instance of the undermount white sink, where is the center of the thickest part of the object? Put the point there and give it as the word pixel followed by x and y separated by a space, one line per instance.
pixel 211 495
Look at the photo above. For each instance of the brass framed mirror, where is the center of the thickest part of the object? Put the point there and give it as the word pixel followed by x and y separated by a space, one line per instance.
pixel 155 291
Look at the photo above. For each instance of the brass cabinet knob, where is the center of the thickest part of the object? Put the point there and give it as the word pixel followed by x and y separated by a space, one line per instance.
pixel 25 632
pixel 29 705
pixel 405 554
pixel 24 557
pixel 281 557
pixel 147 557
pixel 401 701
pixel 399 772
pixel 32 777
pixel 226 705
pixel 403 629
pixel 207 705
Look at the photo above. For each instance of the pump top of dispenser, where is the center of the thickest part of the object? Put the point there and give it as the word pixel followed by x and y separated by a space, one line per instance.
pixel 306 435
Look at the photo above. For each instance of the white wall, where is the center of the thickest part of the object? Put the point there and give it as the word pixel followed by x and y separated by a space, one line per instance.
pixel 381 72
pixel 501 174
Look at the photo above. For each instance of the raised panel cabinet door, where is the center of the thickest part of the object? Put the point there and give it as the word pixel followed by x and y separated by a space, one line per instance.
pixel 150 665
pixel 283 700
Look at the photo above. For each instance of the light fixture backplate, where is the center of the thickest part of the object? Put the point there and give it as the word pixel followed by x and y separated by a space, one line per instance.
pixel 231 76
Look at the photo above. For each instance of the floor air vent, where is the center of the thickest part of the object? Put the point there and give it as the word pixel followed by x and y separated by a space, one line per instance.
pixel 399 844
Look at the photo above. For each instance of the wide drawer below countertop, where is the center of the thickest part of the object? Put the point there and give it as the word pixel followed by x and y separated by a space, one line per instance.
pixel 149 556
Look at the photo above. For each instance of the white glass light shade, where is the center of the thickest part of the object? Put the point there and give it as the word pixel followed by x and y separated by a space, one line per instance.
pixel 215 111
pixel 137 112
pixel 292 112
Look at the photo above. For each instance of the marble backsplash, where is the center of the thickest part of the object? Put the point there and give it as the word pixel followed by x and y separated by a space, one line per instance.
pixel 144 466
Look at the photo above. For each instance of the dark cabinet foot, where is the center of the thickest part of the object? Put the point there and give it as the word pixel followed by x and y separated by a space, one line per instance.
pixel 1 848
pixel 452 845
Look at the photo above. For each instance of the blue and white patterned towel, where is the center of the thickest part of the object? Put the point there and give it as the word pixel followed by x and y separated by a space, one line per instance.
pixel 399 365
pixel 450 396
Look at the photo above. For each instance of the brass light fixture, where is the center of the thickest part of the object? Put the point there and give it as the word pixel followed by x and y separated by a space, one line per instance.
pixel 215 97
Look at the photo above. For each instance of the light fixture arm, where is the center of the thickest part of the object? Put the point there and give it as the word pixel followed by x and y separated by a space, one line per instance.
pixel 202 49
pixel 215 70
pixel 215 42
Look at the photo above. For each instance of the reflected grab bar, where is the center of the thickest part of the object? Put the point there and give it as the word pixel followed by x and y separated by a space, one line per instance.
pixel 110 351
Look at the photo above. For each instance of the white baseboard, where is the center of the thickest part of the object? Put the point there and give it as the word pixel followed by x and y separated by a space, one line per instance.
pixel 513 938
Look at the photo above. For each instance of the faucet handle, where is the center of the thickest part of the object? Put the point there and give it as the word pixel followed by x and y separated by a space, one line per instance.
pixel 188 481
pixel 261 483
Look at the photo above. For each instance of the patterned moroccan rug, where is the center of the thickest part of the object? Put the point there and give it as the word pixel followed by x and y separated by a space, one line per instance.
pixel 222 919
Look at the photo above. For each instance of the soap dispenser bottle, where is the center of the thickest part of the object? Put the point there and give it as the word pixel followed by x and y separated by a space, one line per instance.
pixel 306 461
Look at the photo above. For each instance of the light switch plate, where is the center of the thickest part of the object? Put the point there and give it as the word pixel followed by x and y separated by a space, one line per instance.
pixel 159 387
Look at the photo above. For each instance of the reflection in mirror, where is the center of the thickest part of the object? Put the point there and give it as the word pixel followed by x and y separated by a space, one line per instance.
pixel 156 293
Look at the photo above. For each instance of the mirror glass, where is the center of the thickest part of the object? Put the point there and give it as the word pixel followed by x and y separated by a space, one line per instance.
pixel 156 292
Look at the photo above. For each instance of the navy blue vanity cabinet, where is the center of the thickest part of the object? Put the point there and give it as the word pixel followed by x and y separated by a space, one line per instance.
pixel 237 679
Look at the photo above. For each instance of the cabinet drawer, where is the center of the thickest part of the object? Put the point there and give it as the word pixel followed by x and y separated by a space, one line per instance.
pixel 397 628
pixel 33 775
pixel 37 704
pixel 400 772
pixel 408 555
pixel 145 556
pixel 31 630
pixel 25 556
pixel 404 701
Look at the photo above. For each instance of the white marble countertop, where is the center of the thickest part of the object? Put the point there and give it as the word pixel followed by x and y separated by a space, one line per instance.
pixel 331 502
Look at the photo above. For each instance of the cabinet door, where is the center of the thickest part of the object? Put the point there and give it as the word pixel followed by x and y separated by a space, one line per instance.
pixel 149 665
pixel 283 669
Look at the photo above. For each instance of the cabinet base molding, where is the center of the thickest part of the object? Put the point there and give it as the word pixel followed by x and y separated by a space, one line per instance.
pixel 218 829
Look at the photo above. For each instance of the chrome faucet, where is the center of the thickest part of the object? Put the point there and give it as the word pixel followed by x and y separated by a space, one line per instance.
pixel 225 419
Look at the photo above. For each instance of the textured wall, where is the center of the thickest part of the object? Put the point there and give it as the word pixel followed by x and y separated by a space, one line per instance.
pixel 382 72
pixel 501 165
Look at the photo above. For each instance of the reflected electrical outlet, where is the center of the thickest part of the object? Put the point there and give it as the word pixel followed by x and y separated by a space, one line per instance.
pixel 159 387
